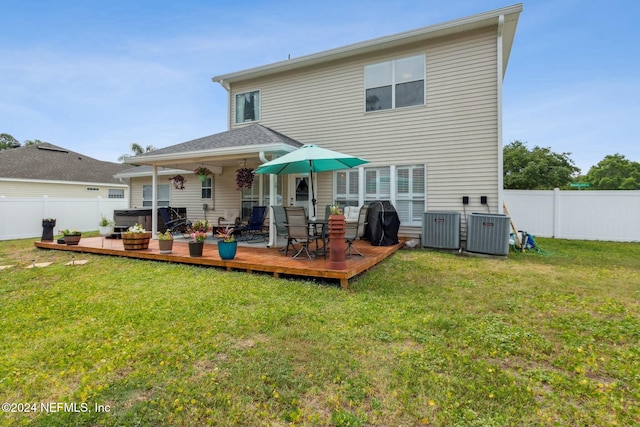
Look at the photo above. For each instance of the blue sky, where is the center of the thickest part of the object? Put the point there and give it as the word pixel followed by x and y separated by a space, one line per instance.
pixel 95 76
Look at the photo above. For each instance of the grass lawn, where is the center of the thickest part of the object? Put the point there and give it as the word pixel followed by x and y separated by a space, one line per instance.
pixel 425 338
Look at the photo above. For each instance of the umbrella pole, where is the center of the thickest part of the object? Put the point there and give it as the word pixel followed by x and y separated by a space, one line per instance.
pixel 313 194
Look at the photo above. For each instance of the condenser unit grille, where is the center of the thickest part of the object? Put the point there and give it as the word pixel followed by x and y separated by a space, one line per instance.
pixel 488 233
pixel 441 230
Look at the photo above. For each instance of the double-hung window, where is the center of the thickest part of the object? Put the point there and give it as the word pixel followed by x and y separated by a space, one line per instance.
pixel 347 188
pixel 410 186
pixel 395 84
pixel 248 107
pixel 163 195
pixel 207 189
pixel 377 184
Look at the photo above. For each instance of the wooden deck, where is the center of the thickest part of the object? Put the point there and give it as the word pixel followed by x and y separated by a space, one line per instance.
pixel 248 258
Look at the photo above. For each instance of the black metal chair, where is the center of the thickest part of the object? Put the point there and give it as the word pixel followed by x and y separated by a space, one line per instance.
pixel 280 220
pixel 298 231
pixel 176 225
pixel 354 233
pixel 254 228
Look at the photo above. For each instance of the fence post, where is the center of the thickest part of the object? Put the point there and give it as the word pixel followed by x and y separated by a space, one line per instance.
pixel 556 212
pixel 45 206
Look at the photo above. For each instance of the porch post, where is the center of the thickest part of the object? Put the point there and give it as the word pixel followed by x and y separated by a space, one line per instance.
pixel 154 201
pixel 273 188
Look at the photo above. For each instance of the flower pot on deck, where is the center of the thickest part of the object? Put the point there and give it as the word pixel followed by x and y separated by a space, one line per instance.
pixel 227 250
pixel 195 249
pixel 72 239
pixel 165 246
pixel 135 241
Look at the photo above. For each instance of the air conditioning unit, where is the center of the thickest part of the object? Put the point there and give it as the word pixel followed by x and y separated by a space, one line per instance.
pixel 488 233
pixel 441 230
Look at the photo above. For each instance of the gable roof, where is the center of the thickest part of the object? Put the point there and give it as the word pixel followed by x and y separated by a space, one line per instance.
pixel 49 162
pixel 242 141
pixel 509 20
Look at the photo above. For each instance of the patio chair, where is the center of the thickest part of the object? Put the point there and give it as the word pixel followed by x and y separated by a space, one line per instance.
pixel 354 233
pixel 230 218
pixel 280 220
pixel 298 231
pixel 176 225
pixel 254 228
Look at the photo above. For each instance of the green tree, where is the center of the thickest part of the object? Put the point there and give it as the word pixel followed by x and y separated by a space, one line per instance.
pixel 536 169
pixel 614 172
pixel 7 141
pixel 33 142
pixel 136 149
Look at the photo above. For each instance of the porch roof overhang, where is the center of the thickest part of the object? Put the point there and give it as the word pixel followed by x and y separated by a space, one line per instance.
pixel 219 150
pixel 508 15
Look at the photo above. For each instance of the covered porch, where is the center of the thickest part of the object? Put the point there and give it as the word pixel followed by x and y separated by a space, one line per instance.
pixel 249 258
pixel 223 154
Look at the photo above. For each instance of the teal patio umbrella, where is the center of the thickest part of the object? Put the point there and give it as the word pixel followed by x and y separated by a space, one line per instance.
pixel 309 159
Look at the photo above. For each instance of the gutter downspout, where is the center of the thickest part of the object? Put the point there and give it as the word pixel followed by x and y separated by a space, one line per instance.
pixel 499 79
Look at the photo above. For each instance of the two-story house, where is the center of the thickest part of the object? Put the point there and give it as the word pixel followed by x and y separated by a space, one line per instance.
pixel 424 107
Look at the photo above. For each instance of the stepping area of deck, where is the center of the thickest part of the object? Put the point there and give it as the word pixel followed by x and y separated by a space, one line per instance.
pixel 248 258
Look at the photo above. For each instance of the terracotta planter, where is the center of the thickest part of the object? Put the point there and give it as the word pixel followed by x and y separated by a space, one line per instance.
pixel 165 246
pixel 227 250
pixel 195 249
pixel 337 230
pixel 135 241
pixel 72 240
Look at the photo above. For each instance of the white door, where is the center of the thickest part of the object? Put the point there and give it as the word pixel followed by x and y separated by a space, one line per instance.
pixel 300 191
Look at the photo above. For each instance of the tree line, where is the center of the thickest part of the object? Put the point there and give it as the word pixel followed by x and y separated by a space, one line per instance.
pixel 538 168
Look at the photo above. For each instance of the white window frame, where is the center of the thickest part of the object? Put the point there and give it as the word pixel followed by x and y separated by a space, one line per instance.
pixel 148 202
pixel 351 179
pixel 415 200
pixel 204 187
pixel 258 111
pixel 396 80
pixel 115 193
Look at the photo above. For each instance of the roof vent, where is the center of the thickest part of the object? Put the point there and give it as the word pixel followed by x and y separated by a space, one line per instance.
pixel 51 148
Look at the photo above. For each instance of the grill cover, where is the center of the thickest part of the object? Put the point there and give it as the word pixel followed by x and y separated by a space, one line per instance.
pixel 383 224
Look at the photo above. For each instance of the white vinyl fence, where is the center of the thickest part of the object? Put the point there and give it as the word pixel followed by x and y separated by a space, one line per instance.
pixel 21 217
pixel 581 215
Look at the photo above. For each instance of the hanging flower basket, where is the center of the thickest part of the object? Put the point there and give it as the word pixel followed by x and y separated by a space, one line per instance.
pixel 202 173
pixel 178 182
pixel 244 178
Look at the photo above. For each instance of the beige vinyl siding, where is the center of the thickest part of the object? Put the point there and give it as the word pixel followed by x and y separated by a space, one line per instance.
pixel 455 134
pixel 225 195
pixel 10 188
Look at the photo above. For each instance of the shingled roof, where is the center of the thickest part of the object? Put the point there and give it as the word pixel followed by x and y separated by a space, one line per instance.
pixel 46 161
pixel 246 136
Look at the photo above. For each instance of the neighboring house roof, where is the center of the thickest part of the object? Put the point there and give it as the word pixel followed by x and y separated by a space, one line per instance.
pixel 49 162
pixel 245 140
pixel 505 20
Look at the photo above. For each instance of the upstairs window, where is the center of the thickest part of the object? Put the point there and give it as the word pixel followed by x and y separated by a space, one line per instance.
pixel 248 107
pixel 395 84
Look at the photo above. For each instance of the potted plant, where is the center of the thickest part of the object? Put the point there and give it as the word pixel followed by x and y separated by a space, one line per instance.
pixel 71 237
pixel 105 226
pixel 227 245
pixel 135 238
pixel 202 173
pixel 197 244
pixel 165 242
pixel 47 229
